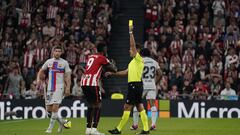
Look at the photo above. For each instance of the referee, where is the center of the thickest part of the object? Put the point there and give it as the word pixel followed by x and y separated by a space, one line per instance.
pixel 135 87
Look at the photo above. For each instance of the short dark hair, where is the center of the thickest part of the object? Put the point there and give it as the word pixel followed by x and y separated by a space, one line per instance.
pixel 145 52
pixel 58 47
pixel 100 47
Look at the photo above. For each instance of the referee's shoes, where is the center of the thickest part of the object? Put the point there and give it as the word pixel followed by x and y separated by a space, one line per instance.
pixel 114 131
pixel 143 133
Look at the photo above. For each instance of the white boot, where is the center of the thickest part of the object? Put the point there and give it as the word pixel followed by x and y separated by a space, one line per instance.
pixel 48 131
pixel 88 131
pixel 96 132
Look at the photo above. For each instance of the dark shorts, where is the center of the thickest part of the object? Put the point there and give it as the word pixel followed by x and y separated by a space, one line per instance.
pixel 92 94
pixel 134 96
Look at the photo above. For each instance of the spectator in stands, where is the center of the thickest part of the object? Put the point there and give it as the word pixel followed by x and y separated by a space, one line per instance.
pixel 24 18
pixel 218 6
pixel 71 55
pixel 176 78
pixel 77 73
pixel 173 94
pixel 187 89
pixel 14 84
pixel 175 62
pixel 216 63
pixel 200 92
pixel 177 46
pixel 49 30
pixel 7 45
pixel 215 85
pixel 189 74
pixel 188 59
pixel 151 44
pixel 227 92
pixel 32 93
pixel 77 91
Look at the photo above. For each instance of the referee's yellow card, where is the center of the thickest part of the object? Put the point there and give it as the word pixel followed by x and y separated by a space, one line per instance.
pixel 130 23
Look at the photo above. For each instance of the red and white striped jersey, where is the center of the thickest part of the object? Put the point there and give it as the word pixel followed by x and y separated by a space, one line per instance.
pixel 93 70
pixel 71 57
pixel 29 58
pixel 52 12
pixel 41 54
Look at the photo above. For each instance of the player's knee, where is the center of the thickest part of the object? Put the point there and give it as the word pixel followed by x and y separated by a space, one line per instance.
pixel 140 107
pixel 153 108
pixel 127 107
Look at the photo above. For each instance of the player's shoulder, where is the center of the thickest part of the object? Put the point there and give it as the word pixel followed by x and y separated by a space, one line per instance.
pixel 63 61
pixel 100 56
pixel 49 60
pixel 148 59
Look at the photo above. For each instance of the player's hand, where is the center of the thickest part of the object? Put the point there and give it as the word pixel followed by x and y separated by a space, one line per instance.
pixel 107 74
pixel 130 29
pixel 39 82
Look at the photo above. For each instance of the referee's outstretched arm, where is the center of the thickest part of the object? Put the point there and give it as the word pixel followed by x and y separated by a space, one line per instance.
pixel 132 41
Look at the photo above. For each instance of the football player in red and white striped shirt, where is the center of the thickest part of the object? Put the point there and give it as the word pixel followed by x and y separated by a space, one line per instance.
pixel 90 86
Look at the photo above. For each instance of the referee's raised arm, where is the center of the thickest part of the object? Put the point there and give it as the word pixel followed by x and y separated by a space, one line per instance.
pixel 132 40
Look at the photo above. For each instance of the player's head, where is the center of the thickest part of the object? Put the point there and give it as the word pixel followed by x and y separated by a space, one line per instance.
pixel 138 47
pixel 145 52
pixel 101 48
pixel 57 52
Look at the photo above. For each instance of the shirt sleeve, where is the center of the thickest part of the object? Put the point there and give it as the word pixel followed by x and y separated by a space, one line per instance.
pixel 67 68
pixel 45 65
pixel 138 58
pixel 105 60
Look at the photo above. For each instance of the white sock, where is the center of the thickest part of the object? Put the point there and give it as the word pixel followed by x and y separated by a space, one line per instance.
pixel 154 115
pixel 52 120
pixel 135 116
pixel 60 120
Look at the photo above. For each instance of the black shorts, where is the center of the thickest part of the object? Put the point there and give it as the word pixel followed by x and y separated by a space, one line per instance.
pixel 134 96
pixel 92 94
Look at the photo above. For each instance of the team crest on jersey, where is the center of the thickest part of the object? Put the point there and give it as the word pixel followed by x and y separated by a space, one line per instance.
pixel 50 65
pixel 60 65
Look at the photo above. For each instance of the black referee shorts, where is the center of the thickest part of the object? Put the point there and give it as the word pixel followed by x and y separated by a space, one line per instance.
pixel 92 94
pixel 134 96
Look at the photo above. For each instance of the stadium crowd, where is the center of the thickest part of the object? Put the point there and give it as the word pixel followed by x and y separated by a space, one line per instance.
pixel 196 43
pixel 30 28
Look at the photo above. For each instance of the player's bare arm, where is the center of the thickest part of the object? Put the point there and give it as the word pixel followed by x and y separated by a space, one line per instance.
pixel 67 80
pixel 132 41
pixel 40 76
pixel 122 73
pixel 158 75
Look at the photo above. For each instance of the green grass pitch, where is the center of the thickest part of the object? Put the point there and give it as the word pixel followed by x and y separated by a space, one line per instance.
pixel 164 127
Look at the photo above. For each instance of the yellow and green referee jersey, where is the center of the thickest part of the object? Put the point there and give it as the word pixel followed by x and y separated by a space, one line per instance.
pixel 135 69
